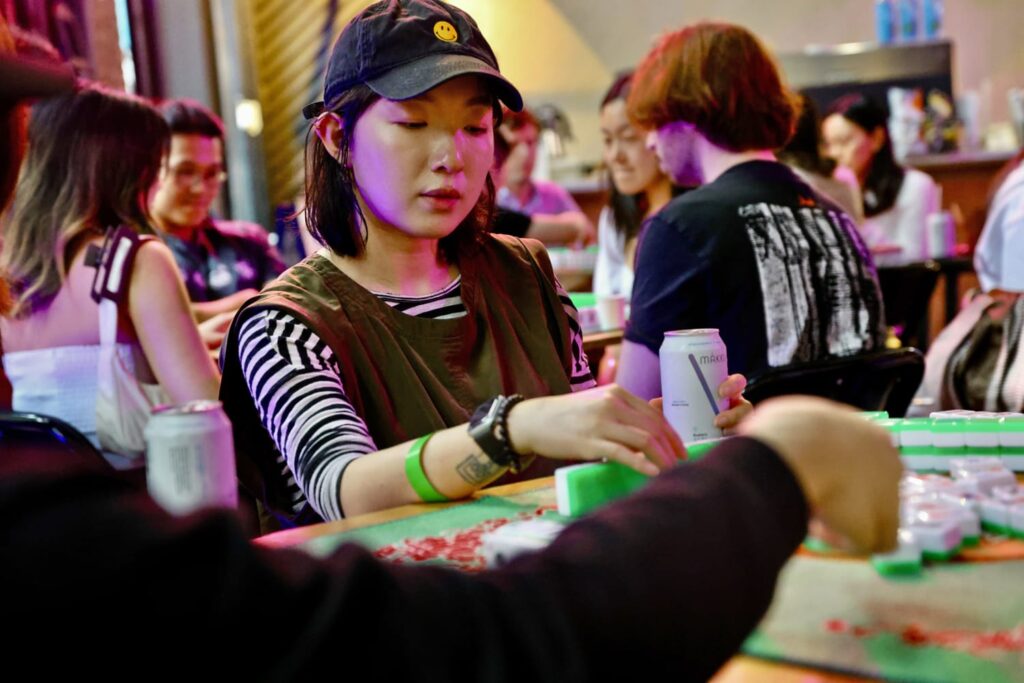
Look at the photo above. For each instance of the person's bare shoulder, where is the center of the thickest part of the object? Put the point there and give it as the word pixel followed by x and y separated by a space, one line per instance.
pixel 154 268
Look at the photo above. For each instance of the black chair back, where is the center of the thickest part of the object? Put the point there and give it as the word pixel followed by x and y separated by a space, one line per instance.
pixel 21 431
pixel 879 380
pixel 906 292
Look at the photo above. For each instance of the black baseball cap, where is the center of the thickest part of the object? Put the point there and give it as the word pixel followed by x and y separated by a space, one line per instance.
pixel 402 48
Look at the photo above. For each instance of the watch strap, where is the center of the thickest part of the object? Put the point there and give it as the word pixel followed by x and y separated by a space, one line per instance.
pixel 489 429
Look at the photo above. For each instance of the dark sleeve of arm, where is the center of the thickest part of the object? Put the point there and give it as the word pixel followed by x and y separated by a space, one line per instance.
pixel 670 285
pixel 666 582
pixel 508 222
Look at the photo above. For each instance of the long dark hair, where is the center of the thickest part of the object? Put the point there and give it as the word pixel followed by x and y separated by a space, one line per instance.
pixel 804 149
pixel 92 157
pixel 333 215
pixel 885 176
pixel 628 210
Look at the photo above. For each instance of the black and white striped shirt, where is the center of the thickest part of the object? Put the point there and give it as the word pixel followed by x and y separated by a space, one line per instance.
pixel 296 385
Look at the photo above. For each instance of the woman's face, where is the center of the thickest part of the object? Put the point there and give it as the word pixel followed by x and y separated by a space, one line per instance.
pixel 420 165
pixel 849 144
pixel 634 167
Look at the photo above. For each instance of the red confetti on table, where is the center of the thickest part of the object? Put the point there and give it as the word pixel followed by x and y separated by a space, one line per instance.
pixel 960 640
pixel 460 548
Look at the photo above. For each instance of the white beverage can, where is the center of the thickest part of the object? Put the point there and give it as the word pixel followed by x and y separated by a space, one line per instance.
pixel 693 364
pixel 190 457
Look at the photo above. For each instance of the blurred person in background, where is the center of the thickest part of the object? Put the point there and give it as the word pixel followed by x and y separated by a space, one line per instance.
pixel 551 229
pixel 976 362
pixel 92 159
pixel 638 189
pixel 999 256
pixel 222 262
pixel 518 191
pixel 803 153
pixel 754 251
pixel 897 200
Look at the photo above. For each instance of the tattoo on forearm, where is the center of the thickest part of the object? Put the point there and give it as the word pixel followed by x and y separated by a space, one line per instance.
pixel 477 469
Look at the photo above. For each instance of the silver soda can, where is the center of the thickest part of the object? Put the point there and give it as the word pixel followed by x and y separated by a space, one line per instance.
pixel 190 457
pixel 693 364
pixel 941 234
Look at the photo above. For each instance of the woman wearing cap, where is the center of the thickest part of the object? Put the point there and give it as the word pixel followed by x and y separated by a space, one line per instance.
pixel 413 320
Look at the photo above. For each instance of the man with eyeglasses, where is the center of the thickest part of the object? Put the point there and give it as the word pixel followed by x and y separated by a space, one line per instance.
pixel 222 262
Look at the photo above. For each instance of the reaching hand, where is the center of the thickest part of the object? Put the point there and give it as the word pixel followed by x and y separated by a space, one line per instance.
pixel 586 234
pixel 604 422
pixel 846 465
pixel 213 329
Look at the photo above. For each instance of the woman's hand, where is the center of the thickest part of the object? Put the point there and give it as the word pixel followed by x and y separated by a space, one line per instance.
pixel 602 423
pixel 739 407
pixel 213 329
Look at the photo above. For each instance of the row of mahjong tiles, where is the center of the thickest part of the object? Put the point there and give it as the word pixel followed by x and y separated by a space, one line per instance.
pixel 941 515
pixel 928 443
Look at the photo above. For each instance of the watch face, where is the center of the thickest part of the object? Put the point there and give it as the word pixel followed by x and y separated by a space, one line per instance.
pixel 483 412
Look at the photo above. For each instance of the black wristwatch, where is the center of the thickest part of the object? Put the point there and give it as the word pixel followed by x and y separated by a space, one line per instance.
pixel 489 428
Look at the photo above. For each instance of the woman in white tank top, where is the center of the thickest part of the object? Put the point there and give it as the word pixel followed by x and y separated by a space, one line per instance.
pixel 92 158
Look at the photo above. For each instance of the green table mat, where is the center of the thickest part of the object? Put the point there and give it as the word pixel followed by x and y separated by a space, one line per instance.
pixel 812 594
pixel 820 602
pixel 443 521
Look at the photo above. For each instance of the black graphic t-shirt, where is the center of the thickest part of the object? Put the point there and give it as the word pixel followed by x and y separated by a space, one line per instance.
pixel 780 271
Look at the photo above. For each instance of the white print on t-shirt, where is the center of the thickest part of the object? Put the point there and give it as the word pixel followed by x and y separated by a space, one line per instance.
pixel 812 283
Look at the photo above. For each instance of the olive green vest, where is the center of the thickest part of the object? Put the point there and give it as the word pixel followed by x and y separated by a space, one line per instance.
pixel 407 376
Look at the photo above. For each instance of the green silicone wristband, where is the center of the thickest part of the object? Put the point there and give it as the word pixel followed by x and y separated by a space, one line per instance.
pixel 417 477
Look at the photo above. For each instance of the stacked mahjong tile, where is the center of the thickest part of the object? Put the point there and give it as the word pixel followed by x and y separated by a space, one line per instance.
pixel 940 515
pixel 501 546
pixel 930 443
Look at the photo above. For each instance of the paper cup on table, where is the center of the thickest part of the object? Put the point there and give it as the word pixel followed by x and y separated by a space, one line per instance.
pixel 611 312
pixel 940 235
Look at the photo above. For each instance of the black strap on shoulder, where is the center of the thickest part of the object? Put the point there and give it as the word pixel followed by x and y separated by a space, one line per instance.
pixel 558 325
pixel 113 263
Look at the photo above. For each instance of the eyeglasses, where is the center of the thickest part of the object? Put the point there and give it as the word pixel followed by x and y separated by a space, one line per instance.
pixel 186 177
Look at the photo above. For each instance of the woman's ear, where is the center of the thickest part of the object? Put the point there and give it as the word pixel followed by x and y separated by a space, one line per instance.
pixel 329 129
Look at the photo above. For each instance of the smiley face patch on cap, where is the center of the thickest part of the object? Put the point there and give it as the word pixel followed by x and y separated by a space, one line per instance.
pixel 446 32
pixel 400 49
